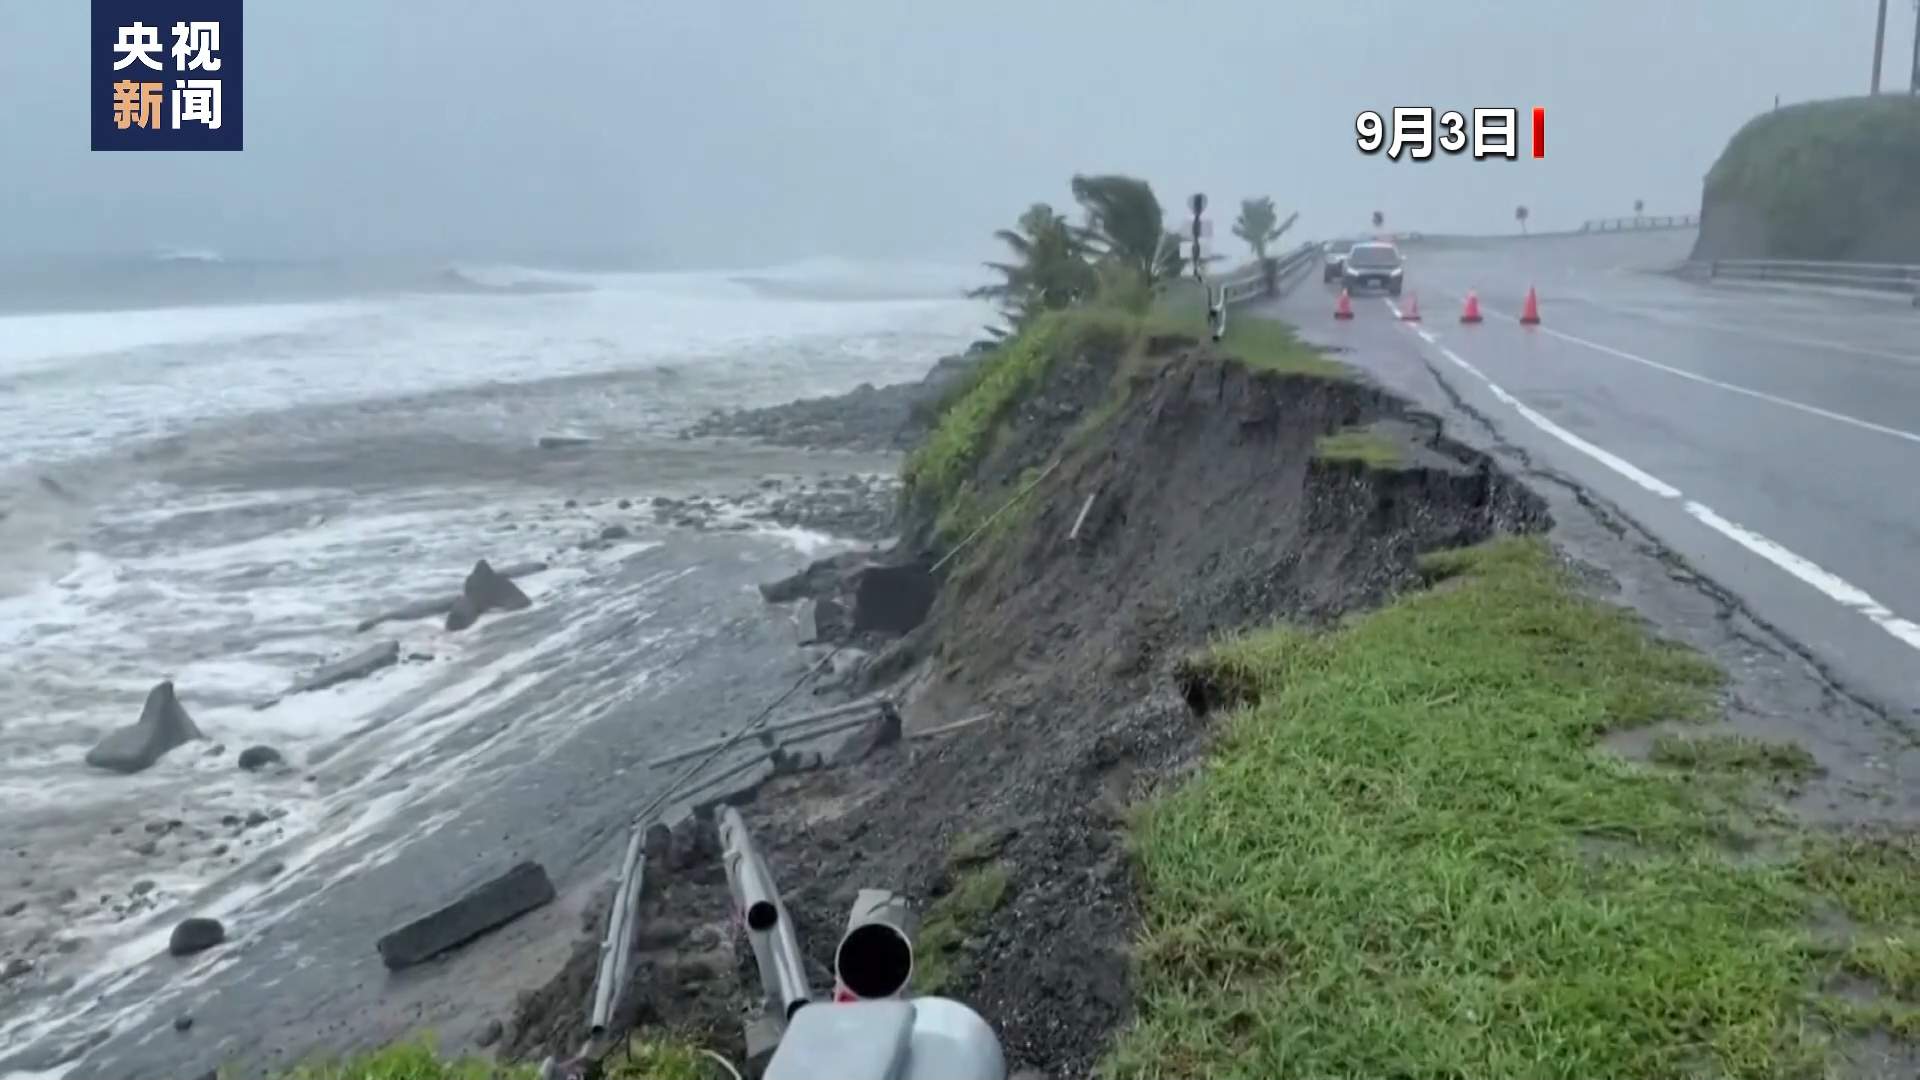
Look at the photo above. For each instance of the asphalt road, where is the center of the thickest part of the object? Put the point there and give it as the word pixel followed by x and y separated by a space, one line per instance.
pixel 1770 438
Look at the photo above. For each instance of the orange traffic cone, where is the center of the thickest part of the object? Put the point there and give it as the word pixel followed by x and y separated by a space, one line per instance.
pixel 1471 314
pixel 1411 313
pixel 1343 309
pixel 1530 315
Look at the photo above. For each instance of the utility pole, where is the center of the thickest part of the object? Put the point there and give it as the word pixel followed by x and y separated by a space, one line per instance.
pixel 1879 45
pixel 1913 87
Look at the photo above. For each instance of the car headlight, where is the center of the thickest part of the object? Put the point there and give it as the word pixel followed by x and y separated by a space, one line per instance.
pixel 1395 273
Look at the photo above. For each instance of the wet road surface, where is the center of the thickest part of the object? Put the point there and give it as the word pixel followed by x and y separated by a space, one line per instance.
pixel 1769 438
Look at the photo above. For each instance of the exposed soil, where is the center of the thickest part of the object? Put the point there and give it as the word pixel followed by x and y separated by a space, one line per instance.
pixel 1210 513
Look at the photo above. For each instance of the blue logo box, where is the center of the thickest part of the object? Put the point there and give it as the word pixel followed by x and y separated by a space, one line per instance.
pixel 167 75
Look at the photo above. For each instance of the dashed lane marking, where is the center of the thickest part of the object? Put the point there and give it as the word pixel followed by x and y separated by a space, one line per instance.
pixel 1829 584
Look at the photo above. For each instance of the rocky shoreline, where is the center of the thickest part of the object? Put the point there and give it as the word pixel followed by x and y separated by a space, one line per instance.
pixel 40 939
pixel 886 418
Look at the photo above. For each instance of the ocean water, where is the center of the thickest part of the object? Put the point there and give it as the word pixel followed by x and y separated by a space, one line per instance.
pixel 216 488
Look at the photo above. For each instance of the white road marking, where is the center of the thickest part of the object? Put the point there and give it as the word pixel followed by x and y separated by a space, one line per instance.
pixel 1815 410
pixel 1834 587
pixel 1758 335
pixel 1838 588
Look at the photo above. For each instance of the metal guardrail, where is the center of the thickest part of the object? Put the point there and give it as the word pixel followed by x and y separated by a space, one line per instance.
pixel 1641 221
pixel 1258 283
pixel 1876 277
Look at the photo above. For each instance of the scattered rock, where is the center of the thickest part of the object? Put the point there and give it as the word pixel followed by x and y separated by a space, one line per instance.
pixel 426 609
pixel 196 935
pixel 614 532
pixel 419 657
pixel 483 908
pixel 182 1023
pixel 14 908
pixel 485 591
pixel 68 945
pixel 254 758
pixel 146 847
pixel 15 968
pixel 163 725
pixel 142 888
pixel 491 1033
pixel 881 732
pixel 564 442
pixel 67 895
pixel 256 818
pixel 892 599
pixel 358 666
pixel 625 504
pixel 825 619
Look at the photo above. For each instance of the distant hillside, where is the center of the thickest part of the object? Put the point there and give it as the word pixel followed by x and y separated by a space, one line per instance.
pixel 1824 180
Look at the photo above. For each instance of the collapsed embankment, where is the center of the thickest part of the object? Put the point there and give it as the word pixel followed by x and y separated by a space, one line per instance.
pixel 1833 179
pixel 1099 501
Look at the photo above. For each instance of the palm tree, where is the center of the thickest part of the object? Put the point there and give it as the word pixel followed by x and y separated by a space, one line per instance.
pixel 1125 224
pixel 1639 205
pixel 1379 219
pixel 1259 224
pixel 1050 272
pixel 1520 215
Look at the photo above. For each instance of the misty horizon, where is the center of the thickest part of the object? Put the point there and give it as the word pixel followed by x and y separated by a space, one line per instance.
pixel 759 133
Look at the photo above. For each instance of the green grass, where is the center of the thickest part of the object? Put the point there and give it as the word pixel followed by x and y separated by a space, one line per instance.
pixel 1823 175
pixel 1365 447
pixel 1409 858
pixel 940 469
pixel 1733 754
pixel 415 1060
pixel 644 1059
pixel 949 921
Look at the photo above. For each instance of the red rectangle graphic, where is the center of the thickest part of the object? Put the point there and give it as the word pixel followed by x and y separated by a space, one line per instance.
pixel 1539 132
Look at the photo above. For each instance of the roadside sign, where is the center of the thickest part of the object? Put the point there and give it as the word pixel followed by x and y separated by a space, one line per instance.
pixel 1198 203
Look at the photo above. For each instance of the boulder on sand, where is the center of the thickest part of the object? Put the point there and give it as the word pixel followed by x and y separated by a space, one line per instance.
pixel 424 609
pixel 163 725
pixel 195 935
pixel 488 905
pixel 485 591
pixel 259 757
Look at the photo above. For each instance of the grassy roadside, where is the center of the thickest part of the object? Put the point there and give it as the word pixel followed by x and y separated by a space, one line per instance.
pixel 938 476
pixel 418 1060
pixel 1408 859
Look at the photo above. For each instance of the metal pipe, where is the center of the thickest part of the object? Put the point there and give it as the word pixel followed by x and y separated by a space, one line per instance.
pixel 611 978
pixel 784 725
pixel 875 956
pixel 776 949
pixel 1081 520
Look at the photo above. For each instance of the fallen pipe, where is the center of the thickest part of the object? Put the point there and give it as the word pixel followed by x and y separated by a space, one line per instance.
pixel 784 725
pixel 874 959
pixel 614 948
pixel 776 948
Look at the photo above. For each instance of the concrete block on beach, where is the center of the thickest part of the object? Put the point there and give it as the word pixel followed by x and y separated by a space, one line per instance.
pixel 486 590
pixel 358 666
pixel 487 906
pixel 440 605
pixel 163 725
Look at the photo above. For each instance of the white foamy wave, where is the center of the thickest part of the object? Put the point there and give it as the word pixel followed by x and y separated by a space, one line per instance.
pixel 831 278
pixel 32 343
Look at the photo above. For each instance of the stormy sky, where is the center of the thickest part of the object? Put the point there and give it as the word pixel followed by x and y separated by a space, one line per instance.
pixel 733 133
